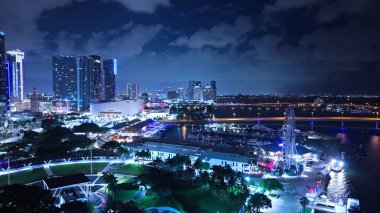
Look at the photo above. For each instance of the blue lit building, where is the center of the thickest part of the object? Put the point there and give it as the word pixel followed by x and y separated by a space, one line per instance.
pixel 109 73
pixel 4 89
pixel 96 78
pixel 85 82
pixel 65 79
pixel 15 68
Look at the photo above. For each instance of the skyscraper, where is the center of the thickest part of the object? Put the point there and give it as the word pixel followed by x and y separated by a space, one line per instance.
pixel 213 86
pixel 208 93
pixel 96 78
pixel 198 93
pixel 85 81
pixel 190 89
pixel 133 91
pixel 4 90
pixel 180 93
pixel 110 71
pixel 16 74
pixel 65 79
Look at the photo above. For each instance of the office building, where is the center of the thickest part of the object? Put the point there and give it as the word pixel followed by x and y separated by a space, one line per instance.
pixel 213 86
pixel 34 101
pixel 110 71
pixel 96 78
pixel 172 95
pixel 198 93
pixel 133 91
pixel 191 87
pixel 65 79
pixel 180 93
pixel 144 97
pixel 16 77
pixel 4 92
pixel 208 93
pixel 85 82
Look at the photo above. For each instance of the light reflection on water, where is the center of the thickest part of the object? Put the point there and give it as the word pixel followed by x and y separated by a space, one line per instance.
pixel 184 132
pixel 342 137
pixel 338 187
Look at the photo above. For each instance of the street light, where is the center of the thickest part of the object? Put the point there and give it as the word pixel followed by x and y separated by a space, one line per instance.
pixel 377 114
pixel 312 114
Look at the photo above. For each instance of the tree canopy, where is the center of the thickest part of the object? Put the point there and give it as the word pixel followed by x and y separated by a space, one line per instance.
pixel 271 184
pixel 179 160
pixel 47 124
pixel 23 198
pixel 304 202
pixel 87 127
pixel 77 207
pixel 258 201
pixel 121 207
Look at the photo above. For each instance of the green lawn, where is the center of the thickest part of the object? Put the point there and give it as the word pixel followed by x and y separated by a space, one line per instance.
pixel 122 194
pixel 199 200
pixel 151 201
pixel 202 200
pixel 24 177
pixel 130 169
pixel 78 168
pixel 124 179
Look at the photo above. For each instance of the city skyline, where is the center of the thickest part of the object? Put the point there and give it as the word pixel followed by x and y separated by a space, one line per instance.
pixel 251 48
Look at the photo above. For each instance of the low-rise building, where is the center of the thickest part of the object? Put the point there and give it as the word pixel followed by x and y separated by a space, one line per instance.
pixel 165 151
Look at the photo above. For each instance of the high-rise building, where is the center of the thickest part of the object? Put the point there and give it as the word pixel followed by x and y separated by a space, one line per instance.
pixel 65 79
pixel 110 71
pixel 191 87
pixel 85 82
pixel 96 79
pixel 34 101
pixel 208 93
pixel 16 77
pixel 133 91
pixel 213 86
pixel 145 97
pixel 198 93
pixel 180 93
pixel 172 95
pixel 4 90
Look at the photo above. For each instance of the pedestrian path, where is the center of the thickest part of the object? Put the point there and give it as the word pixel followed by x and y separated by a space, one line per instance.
pixel 105 169
pixel 48 170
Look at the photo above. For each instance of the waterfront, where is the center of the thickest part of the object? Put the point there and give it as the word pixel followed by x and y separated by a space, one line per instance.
pixel 358 180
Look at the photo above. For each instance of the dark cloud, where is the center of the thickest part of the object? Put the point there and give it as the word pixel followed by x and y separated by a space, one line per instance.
pixel 257 46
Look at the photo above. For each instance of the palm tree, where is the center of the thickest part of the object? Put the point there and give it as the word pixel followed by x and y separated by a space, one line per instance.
pixel 256 202
pixel 111 181
pixel 143 154
pixel 304 202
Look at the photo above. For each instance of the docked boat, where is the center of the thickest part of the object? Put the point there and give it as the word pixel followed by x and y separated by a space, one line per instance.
pixel 313 135
pixel 336 166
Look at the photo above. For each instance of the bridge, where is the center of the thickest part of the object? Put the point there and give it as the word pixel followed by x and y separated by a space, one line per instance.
pixel 331 118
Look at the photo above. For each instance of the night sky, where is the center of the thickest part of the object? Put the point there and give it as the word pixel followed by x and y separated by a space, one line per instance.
pixel 251 46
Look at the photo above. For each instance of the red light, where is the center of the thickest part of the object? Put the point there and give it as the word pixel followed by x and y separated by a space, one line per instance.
pixel 49 118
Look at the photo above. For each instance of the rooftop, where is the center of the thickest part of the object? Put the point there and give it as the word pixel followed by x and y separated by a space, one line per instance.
pixel 192 151
pixel 68 180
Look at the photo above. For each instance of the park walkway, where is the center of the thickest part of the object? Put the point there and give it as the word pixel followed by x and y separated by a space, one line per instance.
pixel 105 169
pixel 48 170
